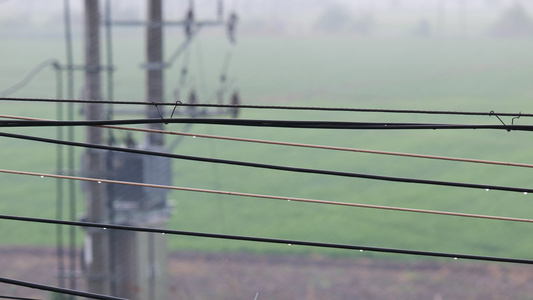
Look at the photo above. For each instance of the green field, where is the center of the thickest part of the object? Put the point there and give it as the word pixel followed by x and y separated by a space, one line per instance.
pixel 330 71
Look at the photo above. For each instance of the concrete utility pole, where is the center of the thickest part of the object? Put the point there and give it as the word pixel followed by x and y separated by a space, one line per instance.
pixel 126 264
pixel 156 245
pixel 154 66
pixel 97 249
pixel 140 258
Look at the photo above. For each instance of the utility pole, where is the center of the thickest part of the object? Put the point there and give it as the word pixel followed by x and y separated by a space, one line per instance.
pixel 139 257
pixel 156 244
pixel 128 264
pixel 97 249
pixel 154 66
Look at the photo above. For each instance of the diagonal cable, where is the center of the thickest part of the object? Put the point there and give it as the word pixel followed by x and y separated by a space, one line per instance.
pixel 272 197
pixel 413 155
pixel 273 167
pixel 50 288
pixel 278 107
pixel 271 240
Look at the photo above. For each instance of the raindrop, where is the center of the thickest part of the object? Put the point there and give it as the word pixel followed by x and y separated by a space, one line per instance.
pixel 42 176
pixel 487 190
pixel 525 193
pixel 455 258
pixel 99 181
pixel 360 250
pixel 194 136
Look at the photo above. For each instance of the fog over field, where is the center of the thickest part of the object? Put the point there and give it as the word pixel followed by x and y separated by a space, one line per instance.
pixel 432 62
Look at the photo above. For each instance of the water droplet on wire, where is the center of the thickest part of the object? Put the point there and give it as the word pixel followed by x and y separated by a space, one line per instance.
pixel 99 181
pixel 42 176
pixel 487 190
pixel 525 193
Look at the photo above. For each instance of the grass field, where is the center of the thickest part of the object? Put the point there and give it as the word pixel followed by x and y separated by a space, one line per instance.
pixel 329 71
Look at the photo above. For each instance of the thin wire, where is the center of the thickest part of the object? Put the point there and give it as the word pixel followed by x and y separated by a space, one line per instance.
pixel 250 195
pixel 272 167
pixel 277 107
pixel 17 298
pixel 480 161
pixel 30 75
pixel 270 123
pixel 57 289
pixel 270 142
pixel 182 48
pixel 271 240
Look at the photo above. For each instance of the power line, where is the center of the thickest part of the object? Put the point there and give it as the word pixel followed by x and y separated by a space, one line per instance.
pixel 57 289
pixel 413 155
pixel 31 74
pixel 270 123
pixel 278 107
pixel 17 298
pixel 305 200
pixel 470 160
pixel 273 167
pixel 271 240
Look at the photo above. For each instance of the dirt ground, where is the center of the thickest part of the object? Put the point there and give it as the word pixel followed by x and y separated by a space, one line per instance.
pixel 245 276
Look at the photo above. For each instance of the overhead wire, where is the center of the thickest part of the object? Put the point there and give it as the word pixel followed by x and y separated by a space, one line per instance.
pixel 347 149
pixel 336 148
pixel 272 167
pixel 272 197
pixel 357 150
pixel 50 288
pixel 279 107
pixel 31 74
pixel 16 298
pixel 324 147
pixel 270 123
pixel 289 242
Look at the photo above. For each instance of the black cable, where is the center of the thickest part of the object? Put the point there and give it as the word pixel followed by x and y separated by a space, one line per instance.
pixel 17 298
pixel 57 289
pixel 346 109
pixel 272 167
pixel 268 123
pixel 270 240
pixel 30 75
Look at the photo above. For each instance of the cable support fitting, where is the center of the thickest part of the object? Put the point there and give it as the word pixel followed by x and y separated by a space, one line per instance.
pixel 155 66
pixel 90 69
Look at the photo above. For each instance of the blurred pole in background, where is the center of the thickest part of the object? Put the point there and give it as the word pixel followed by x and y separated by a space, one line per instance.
pixel 97 248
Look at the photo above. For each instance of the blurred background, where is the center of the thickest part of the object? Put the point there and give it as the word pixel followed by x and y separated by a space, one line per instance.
pixel 439 55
